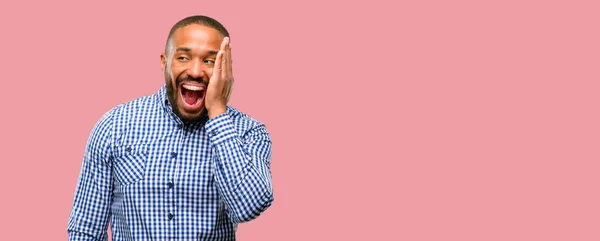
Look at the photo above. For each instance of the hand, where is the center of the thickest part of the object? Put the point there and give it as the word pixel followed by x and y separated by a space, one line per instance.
pixel 220 83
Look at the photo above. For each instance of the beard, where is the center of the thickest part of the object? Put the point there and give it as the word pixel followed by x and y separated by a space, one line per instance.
pixel 173 94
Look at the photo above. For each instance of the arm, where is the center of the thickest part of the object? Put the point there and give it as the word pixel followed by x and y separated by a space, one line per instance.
pixel 93 195
pixel 242 168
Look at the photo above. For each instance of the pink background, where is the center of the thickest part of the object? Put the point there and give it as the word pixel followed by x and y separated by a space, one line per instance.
pixel 436 120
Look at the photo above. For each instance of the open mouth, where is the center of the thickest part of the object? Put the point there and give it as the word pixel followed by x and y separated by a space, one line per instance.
pixel 192 95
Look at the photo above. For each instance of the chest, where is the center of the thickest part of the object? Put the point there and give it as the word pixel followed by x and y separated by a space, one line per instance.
pixel 157 158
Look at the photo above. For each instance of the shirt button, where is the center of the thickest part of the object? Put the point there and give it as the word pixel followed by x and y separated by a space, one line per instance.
pixel 213 133
pixel 173 154
pixel 128 149
pixel 179 126
pixel 170 216
pixel 170 184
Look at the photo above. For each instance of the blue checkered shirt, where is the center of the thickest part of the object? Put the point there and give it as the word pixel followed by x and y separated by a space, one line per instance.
pixel 158 179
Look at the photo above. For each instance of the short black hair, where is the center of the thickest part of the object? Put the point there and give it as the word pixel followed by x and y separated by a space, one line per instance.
pixel 199 20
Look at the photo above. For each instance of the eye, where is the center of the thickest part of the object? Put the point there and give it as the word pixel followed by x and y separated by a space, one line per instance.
pixel 209 61
pixel 182 58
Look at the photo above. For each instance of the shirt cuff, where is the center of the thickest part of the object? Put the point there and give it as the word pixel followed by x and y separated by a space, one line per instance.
pixel 220 129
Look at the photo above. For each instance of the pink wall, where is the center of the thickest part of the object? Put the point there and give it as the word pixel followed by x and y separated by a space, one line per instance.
pixel 436 120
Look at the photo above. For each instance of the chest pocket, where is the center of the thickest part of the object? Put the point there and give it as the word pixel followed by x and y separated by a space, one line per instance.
pixel 130 164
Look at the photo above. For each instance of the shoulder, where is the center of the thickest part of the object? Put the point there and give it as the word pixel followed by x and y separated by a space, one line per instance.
pixel 136 106
pixel 124 113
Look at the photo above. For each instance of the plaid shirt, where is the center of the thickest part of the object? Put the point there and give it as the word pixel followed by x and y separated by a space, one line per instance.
pixel 158 179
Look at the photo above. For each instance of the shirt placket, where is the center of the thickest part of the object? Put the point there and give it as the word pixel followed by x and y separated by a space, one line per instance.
pixel 175 160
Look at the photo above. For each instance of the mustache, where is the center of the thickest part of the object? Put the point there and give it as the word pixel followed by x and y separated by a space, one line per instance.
pixel 188 78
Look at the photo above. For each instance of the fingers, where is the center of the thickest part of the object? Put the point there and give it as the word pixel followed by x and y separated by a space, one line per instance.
pixel 226 71
pixel 218 66
pixel 222 77
pixel 219 63
pixel 224 44
pixel 227 62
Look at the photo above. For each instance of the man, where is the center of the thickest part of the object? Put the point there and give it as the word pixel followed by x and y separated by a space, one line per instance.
pixel 179 164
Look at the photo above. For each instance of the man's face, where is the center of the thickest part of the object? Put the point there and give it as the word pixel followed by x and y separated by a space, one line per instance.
pixel 188 68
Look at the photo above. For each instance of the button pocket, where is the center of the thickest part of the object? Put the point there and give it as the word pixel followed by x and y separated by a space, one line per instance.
pixel 131 165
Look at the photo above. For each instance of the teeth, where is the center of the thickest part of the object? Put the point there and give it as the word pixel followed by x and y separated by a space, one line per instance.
pixel 191 87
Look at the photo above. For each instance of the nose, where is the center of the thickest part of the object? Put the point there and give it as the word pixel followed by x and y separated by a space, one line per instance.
pixel 196 70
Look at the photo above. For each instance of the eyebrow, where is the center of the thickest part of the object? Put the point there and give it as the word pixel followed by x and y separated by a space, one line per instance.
pixel 183 49
pixel 186 49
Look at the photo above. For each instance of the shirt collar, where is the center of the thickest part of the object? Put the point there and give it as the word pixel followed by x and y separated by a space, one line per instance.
pixel 163 99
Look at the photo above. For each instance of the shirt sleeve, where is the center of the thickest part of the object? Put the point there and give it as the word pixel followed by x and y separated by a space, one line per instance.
pixel 93 195
pixel 242 167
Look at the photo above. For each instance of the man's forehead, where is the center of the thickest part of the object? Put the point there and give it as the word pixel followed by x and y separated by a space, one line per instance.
pixel 195 33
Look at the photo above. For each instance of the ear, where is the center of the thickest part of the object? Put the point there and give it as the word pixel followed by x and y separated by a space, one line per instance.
pixel 163 62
